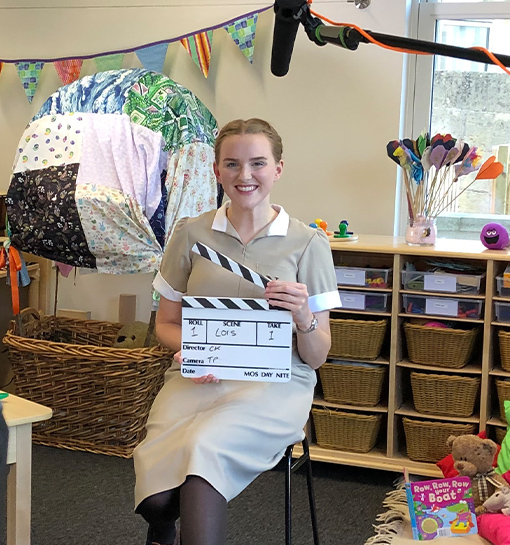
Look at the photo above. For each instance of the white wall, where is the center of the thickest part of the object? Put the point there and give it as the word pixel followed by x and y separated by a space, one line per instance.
pixel 336 109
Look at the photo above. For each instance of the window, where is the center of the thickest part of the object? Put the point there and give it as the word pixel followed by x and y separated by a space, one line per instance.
pixel 469 100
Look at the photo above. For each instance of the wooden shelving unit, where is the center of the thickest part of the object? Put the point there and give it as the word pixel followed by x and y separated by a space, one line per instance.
pixel 382 251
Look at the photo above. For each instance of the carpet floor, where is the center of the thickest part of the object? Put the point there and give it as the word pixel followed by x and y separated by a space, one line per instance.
pixel 83 498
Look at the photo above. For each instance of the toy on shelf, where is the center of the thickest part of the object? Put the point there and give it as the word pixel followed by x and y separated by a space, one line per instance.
pixel 343 234
pixel 318 223
pixel 495 236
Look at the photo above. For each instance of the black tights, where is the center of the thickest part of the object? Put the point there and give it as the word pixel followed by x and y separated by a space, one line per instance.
pixel 201 508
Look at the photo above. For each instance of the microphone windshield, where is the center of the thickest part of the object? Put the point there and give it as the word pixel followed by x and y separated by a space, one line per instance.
pixel 284 35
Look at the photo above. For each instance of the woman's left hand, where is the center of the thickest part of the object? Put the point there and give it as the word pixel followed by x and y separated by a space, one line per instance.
pixel 291 296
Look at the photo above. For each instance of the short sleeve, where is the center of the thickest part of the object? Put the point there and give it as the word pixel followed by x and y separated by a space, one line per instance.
pixel 172 279
pixel 317 271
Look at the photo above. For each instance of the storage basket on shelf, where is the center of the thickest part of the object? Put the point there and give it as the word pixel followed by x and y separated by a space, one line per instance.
pixel 352 383
pixel 361 339
pixel 504 348
pixel 500 435
pixel 344 430
pixel 100 395
pixel 426 441
pixel 442 347
pixel 444 394
pixel 503 389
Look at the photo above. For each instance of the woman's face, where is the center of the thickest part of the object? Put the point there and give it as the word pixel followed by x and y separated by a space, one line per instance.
pixel 247 170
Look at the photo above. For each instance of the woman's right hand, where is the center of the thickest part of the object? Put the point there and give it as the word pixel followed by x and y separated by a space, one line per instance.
pixel 206 379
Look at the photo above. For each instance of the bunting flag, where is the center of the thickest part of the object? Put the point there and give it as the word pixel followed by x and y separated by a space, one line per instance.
pixel 153 57
pixel 69 70
pixel 109 62
pixel 199 47
pixel 29 73
pixel 242 32
pixel 1 66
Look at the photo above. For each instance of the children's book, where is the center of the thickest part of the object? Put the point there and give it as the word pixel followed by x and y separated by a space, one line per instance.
pixel 441 508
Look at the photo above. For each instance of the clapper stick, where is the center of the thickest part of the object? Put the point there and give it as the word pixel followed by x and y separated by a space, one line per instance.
pixel 231 265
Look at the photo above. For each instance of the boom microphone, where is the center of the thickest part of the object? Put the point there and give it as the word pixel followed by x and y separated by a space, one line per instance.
pixel 287 18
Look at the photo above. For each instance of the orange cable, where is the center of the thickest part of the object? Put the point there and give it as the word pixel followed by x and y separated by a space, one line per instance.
pixel 371 39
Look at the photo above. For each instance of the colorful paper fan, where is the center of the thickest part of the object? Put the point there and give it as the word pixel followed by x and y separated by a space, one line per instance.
pixel 106 168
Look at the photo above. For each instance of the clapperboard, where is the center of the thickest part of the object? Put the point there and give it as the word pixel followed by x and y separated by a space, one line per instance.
pixel 235 338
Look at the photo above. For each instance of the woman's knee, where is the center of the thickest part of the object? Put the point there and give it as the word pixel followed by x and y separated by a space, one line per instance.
pixel 162 506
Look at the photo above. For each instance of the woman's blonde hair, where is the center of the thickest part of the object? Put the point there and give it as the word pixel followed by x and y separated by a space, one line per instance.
pixel 250 126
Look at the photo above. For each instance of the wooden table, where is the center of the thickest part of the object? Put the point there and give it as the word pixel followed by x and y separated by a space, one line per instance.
pixel 20 414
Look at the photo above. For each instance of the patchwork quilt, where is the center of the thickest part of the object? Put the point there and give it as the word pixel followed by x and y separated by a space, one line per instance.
pixel 106 168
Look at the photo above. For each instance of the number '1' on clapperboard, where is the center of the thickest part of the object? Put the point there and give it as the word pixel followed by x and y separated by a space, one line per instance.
pixel 235 338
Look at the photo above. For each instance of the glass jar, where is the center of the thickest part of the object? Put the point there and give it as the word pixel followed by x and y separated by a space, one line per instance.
pixel 421 231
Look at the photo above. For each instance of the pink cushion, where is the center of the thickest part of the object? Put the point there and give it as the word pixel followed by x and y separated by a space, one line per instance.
pixel 494 527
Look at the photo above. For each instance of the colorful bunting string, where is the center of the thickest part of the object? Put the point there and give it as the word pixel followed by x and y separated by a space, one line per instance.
pixel 29 73
pixel 199 47
pixel 109 62
pixel 68 71
pixel 152 56
pixel 242 32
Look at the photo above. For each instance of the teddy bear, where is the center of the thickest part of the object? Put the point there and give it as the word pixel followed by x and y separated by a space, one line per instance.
pixel 473 457
pixel 133 336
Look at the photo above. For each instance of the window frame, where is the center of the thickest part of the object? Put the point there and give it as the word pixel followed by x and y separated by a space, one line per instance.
pixel 418 74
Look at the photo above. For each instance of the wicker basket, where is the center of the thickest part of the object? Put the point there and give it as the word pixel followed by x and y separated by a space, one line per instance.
pixel 352 384
pixel 504 348
pixel 444 394
pixel 503 388
pixel 500 435
pixel 446 347
pixel 359 339
pixel 100 395
pixel 426 441
pixel 345 431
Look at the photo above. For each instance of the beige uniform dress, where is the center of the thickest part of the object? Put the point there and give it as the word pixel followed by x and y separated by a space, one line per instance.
pixel 230 432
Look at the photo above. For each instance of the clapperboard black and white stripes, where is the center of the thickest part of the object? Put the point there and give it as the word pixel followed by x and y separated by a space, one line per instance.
pixel 235 338
pixel 231 265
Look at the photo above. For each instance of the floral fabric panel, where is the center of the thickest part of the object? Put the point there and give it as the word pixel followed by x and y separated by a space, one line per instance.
pixel 157 220
pixel 118 232
pixel 52 140
pixel 191 183
pixel 123 156
pixel 101 93
pixel 43 216
pixel 160 104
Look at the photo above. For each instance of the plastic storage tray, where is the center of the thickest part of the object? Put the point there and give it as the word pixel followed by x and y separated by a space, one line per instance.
pixel 502 311
pixel 444 282
pixel 361 300
pixel 503 286
pixel 363 277
pixel 442 306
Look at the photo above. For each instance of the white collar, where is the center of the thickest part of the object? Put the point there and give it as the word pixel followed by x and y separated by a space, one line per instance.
pixel 278 227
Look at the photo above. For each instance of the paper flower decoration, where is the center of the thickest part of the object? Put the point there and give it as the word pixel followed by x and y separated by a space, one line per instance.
pixel 432 167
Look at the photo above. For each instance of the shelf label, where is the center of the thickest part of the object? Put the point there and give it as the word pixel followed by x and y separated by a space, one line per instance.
pixel 442 307
pixel 440 282
pixel 351 277
pixel 353 300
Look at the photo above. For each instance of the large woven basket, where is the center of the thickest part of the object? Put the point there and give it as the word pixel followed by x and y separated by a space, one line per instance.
pixel 442 347
pixel 426 441
pixel 352 384
pixel 503 389
pixel 500 435
pixel 100 395
pixel 346 431
pixel 447 395
pixel 359 339
pixel 504 348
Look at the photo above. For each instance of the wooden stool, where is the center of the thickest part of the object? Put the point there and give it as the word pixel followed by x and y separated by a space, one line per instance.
pixel 292 467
